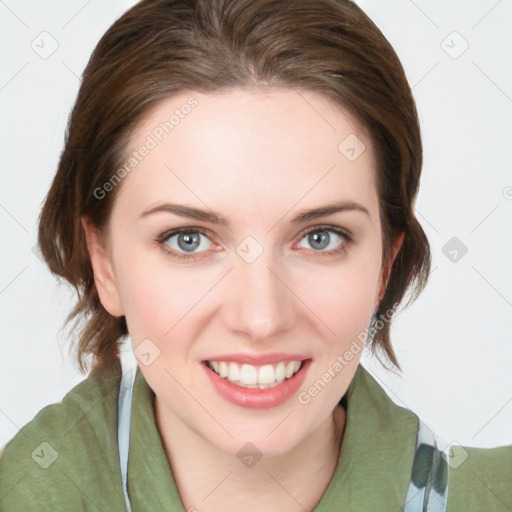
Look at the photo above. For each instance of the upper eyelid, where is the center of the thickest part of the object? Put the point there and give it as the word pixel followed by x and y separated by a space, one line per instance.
pixel 325 227
pixel 176 231
pixel 204 231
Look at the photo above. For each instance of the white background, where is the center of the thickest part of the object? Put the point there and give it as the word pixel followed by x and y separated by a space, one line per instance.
pixel 454 343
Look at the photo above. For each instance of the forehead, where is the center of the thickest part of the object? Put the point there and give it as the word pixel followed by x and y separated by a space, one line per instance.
pixel 250 147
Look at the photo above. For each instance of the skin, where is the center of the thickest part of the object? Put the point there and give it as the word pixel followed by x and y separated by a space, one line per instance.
pixel 257 157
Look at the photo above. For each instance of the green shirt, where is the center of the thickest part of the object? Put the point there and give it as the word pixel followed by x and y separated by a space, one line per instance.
pixel 67 458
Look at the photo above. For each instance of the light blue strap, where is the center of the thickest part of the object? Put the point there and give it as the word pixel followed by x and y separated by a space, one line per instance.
pixel 428 488
pixel 123 427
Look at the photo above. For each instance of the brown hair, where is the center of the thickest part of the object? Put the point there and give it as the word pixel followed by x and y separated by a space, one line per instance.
pixel 161 47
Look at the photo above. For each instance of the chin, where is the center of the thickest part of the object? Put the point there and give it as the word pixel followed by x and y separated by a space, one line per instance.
pixel 272 440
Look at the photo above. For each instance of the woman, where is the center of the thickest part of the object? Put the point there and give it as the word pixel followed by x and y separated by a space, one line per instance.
pixel 236 195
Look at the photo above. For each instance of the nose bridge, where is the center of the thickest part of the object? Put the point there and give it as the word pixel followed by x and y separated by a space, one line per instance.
pixel 259 304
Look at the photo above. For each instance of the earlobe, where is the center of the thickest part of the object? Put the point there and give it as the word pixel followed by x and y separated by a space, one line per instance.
pixel 386 270
pixel 104 277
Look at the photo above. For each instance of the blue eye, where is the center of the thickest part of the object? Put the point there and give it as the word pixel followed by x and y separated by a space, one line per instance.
pixel 185 239
pixel 319 238
pixel 189 243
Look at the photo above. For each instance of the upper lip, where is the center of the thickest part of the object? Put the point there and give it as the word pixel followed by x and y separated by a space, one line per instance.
pixel 259 360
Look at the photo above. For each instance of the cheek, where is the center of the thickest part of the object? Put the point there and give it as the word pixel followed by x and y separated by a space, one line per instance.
pixel 343 295
pixel 158 297
pixel 344 305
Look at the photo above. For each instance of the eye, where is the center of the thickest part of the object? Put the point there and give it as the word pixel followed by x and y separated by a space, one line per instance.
pixel 320 238
pixel 182 243
pixel 188 243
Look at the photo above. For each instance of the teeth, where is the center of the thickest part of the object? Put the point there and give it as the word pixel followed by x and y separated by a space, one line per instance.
pixel 266 374
pixel 292 367
pixel 223 370
pixel 254 377
pixel 248 374
pixel 234 372
pixel 280 372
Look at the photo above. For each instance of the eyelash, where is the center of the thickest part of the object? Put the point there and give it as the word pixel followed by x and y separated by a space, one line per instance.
pixel 164 237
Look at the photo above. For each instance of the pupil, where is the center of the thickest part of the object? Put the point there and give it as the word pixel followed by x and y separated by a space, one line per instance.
pixel 322 239
pixel 191 241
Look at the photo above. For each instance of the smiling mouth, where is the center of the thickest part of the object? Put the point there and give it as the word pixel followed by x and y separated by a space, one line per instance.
pixel 255 377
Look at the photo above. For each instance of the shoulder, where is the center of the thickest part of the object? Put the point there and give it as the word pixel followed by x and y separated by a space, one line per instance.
pixel 68 452
pixel 373 398
pixel 480 478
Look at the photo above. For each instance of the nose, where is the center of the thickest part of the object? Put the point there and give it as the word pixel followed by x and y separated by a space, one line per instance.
pixel 259 303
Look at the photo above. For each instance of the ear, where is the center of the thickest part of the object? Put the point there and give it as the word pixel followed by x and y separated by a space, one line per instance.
pixel 386 269
pixel 104 277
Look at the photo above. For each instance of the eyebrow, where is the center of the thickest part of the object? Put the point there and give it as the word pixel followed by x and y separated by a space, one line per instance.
pixel 217 219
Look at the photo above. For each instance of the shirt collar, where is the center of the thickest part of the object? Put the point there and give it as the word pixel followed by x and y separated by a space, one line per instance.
pixel 374 466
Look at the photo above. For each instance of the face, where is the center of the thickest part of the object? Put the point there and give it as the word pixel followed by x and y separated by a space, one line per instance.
pixel 262 281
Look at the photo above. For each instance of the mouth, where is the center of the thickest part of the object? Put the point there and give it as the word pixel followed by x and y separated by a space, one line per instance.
pixel 256 387
pixel 255 377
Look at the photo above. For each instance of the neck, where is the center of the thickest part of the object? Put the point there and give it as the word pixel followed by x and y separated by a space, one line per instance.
pixel 211 480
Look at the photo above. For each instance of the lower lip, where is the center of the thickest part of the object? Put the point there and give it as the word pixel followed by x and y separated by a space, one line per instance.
pixel 254 398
